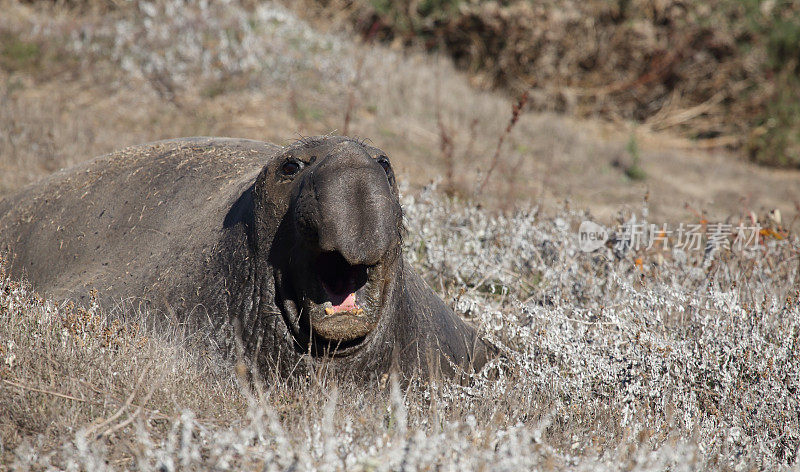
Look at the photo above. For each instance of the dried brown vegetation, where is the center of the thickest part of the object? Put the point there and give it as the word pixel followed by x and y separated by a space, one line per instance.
pixel 723 72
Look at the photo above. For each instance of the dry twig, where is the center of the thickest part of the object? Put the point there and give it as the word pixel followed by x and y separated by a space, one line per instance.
pixel 515 112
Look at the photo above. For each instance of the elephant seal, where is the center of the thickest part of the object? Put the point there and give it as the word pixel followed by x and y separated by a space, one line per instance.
pixel 296 250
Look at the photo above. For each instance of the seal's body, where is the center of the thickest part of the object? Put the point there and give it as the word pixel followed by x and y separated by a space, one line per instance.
pixel 295 249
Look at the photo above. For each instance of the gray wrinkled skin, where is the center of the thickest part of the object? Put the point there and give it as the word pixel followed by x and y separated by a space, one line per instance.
pixel 245 237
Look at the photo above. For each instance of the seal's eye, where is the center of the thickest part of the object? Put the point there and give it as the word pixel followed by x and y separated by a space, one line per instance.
pixel 291 167
pixel 384 162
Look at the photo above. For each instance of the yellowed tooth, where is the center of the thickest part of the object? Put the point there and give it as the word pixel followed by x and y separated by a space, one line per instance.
pixel 329 310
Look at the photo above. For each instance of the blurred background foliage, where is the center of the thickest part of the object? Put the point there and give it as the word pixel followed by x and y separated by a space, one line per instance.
pixel 721 70
pixel 670 95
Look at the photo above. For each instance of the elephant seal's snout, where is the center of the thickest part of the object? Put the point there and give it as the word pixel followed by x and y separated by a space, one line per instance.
pixel 359 215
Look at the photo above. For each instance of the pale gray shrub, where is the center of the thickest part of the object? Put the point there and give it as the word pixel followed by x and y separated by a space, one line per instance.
pixel 175 44
pixel 601 371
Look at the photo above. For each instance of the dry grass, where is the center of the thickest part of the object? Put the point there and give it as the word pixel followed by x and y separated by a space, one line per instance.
pixel 68 370
pixel 614 360
pixel 644 360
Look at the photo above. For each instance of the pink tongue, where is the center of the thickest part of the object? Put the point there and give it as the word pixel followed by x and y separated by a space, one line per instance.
pixel 348 304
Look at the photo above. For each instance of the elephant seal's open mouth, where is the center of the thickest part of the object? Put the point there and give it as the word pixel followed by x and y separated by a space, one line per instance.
pixel 345 303
pixel 338 304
